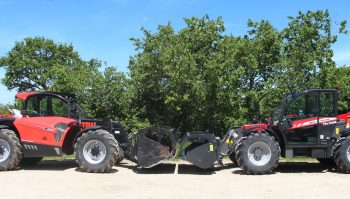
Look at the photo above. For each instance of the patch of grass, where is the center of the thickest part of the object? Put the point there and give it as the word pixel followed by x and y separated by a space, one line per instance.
pixel 61 158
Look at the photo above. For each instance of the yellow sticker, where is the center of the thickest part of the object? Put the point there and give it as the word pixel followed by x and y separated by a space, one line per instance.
pixel 337 131
pixel 211 147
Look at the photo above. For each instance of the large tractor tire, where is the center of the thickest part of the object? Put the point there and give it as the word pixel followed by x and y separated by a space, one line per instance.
pixel 10 150
pixel 342 155
pixel 258 153
pixel 30 161
pixel 96 151
pixel 326 161
pixel 232 157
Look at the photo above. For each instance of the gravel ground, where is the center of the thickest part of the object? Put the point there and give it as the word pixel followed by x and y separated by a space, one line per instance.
pixel 61 179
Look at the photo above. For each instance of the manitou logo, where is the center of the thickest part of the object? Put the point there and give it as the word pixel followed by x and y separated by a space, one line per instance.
pixel 85 125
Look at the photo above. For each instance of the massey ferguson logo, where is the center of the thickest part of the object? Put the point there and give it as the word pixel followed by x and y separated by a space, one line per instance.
pixel 85 125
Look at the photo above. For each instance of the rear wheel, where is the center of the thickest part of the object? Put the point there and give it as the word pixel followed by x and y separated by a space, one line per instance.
pixel 96 151
pixel 258 153
pixel 10 150
pixel 342 155
pixel 30 161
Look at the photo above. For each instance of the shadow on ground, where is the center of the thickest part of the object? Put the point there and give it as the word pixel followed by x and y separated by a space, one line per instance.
pixel 170 168
pixel 52 165
pixel 299 167
pixel 56 165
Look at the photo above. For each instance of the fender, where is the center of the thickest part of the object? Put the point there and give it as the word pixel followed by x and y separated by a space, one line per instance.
pixel 86 130
pixel 345 132
pixel 4 127
pixel 241 133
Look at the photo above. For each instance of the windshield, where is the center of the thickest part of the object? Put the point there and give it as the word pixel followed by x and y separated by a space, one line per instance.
pixel 276 114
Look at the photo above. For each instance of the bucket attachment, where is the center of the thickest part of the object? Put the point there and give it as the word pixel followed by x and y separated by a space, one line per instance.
pixel 200 148
pixel 153 145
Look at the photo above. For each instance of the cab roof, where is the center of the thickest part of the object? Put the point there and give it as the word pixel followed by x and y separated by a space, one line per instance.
pixel 25 95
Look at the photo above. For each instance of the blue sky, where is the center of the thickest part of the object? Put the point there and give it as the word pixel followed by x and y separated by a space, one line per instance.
pixel 101 28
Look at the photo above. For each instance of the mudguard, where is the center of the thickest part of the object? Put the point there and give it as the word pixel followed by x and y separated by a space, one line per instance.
pixel 3 127
pixel 154 145
pixel 239 132
pixel 345 132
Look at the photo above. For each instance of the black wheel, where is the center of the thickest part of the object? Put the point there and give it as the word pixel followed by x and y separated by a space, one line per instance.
pixel 30 161
pixel 119 160
pixel 326 161
pixel 232 157
pixel 258 153
pixel 96 151
pixel 120 155
pixel 10 150
pixel 342 155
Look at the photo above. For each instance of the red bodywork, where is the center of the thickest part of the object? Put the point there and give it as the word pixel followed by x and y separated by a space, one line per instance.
pixel 304 122
pixel 42 131
pixel 261 127
pixel 25 95
pixel 6 116
pixel 345 117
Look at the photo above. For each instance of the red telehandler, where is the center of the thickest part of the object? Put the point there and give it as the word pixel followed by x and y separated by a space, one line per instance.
pixel 53 124
pixel 304 124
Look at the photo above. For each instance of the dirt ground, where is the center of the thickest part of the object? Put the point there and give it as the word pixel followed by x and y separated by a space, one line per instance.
pixel 61 179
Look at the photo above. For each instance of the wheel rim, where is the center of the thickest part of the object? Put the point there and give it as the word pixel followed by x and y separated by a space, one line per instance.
pixel 259 153
pixel 94 151
pixel 4 150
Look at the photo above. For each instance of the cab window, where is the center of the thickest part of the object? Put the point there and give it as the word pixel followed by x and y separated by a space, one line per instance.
pixel 304 106
pixel 59 107
pixel 47 106
pixel 327 105
pixel 32 107
pixel 43 106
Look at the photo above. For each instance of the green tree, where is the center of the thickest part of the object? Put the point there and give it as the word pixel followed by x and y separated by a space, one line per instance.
pixel 173 78
pixel 198 78
pixel 340 77
pixel 41 64
pixel 4 109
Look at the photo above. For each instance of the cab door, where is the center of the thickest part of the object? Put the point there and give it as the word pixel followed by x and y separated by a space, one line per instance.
pixel 327 116
pixel 42 130
pixel 300 119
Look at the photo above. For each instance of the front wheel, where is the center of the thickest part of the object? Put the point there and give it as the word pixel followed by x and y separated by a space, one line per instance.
pixel 96 151
pixel 258 153
pixel 10 150
pixel 342 155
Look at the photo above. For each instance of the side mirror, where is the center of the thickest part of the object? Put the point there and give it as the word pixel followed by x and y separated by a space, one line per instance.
pixel 24 113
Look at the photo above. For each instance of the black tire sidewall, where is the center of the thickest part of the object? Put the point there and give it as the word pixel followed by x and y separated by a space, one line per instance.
pixel 12 144
pixel 80 147
pixel 275 153
pixel 341 157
